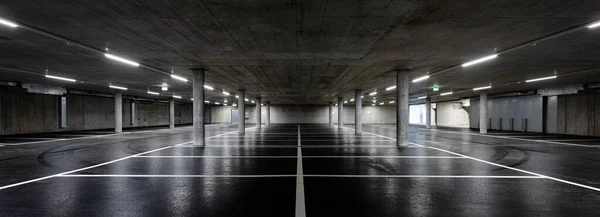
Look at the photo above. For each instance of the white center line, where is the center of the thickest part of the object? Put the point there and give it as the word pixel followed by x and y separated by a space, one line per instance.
pixel 426 176
pixel 172 176
pixel 300 204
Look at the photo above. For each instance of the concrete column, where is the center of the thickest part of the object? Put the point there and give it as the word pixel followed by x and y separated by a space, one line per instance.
pixel 358 111
pixel 330 114
pixel 428 112
pixel 172 113
pixel 198 106
pixel 258 113
pixel 241 111
pixel 118 112
pixel 483 112
pixel 268 117
pixel 340 112
pixel 402 115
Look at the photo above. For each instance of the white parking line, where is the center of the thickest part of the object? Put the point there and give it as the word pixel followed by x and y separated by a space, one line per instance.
pixel 426 176
pixel 97 165
pixel 513 138
pixel 305 157
pixel 508 167
pixel 171 176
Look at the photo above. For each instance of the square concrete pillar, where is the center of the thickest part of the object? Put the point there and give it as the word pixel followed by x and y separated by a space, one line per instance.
pixel 118 112
pixel 258 113
pixel 402 116
pixel 172 113
pixel 340 112
pixel 483 112
pixel 358 111
pixel 241 111
pixel 198 106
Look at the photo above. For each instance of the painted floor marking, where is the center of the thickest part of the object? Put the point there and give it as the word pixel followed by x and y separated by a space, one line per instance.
pixel 98 165
pixel 300 203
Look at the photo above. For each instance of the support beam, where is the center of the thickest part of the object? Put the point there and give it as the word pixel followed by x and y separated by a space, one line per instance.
pixel 358 111
pixel 241 111
pixel 268 115
pixel 330 114
pixel 118 112
pixel 340 112
pixel 258 113
pixel 428 112
pixel 172 113
pixel 402 115
pixel 198 106
pixel 483 112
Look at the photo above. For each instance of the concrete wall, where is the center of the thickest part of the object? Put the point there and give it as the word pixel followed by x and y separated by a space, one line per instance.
pixel 579 114
pixel 22 112
pixel 451 114
pixel 317 114
pixel 503 109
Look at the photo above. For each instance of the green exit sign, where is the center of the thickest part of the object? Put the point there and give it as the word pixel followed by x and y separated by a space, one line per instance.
pixel 436 88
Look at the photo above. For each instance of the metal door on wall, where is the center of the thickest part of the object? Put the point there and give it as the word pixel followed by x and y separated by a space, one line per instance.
pixel 234 116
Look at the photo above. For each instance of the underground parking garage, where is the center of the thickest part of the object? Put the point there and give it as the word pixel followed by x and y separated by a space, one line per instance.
pixel 299 108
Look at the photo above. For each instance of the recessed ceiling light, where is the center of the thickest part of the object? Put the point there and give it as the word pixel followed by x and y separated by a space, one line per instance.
pixel 480 60
pixel 60 78
pixel 482 88
pixel 8 23
pixel 594 25
pixel 541 79
pixel 121 59
pixel 117 87
pixel 179 78
pixel 420 79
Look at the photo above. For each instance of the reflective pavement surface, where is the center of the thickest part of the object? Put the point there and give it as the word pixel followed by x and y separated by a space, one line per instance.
pixel 289 170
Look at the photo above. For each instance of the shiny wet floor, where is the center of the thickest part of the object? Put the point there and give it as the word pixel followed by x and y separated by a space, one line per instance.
pixel 292 170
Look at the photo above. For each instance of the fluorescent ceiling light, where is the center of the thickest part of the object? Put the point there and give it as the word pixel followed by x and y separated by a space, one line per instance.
pixel 346 101
pixel 381 103
pixel 422 97
pixel 362 97
pixel 351 100
pixel 480 60
pixel 482 88
pixel 246 100
pixel 207 101
pixel 420 79
pixel 153 93
pixel 594 25
pixel 60 78
pixel 252 101
pixel 8 23
pixel 164 88
pixel 372 104
pixel 177 97
pixel 371 94
pixel 179 78
pixel 236 96
pixel 117 87
pixel 208 87
pixel 234 104
pixel 391 88
pixel 121 59
pixel 225 93
pixel 446 93
pixel 392 102
pixel 192 99
pixel 217 103
pixel 541 79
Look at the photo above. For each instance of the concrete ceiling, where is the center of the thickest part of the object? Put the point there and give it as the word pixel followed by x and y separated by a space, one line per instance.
pixel 303 51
